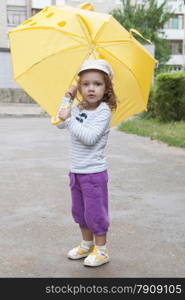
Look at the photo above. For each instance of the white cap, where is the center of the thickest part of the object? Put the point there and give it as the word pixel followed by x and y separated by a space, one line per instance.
pixel 96 64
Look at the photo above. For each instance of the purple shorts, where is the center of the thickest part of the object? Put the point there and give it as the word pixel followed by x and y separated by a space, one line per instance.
pixel 89 194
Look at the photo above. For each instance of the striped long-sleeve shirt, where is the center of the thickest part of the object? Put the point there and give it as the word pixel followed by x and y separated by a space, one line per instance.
pixel 89 131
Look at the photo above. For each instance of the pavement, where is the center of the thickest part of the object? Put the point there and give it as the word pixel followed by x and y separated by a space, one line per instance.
pixel 146 201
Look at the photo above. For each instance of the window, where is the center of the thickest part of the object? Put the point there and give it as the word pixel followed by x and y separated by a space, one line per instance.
pixel 15 15
pixel 138 2
pixel 176 22
pixel 35 11
pixel 180 18
pixel 176 47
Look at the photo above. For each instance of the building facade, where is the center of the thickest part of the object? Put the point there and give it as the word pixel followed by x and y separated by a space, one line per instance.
pixel 174 32
pixel 14 12
pixel 104 6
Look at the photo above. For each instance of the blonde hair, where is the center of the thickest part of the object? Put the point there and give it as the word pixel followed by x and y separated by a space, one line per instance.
pixel 109 96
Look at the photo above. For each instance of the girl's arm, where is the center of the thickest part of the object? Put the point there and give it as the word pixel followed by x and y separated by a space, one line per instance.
pixel 89 135
pixel 64 123
pixel 65 113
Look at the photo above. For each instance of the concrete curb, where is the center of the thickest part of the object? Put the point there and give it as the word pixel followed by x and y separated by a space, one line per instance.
pixel 21 110
pixel 23 115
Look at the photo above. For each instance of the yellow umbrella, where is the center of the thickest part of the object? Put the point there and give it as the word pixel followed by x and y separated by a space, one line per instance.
pixel 48 49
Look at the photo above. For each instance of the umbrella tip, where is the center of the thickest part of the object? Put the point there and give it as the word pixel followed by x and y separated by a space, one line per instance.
pixel 86 6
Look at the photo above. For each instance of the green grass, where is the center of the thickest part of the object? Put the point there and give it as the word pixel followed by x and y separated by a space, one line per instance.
pixel 172 133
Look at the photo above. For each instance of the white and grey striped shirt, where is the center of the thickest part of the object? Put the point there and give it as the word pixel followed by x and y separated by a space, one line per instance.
pixel 89 131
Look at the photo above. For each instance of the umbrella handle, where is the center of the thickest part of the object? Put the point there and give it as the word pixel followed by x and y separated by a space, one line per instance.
pixel 138 33
pixel 56 120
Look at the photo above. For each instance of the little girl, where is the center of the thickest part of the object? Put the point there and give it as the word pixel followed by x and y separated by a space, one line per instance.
pixel 88 123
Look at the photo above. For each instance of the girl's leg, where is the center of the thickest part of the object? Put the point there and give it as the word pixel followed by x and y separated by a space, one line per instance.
pixel 87 234
pixel 95 196
pixel 77 201
pixel 99 255
pixel 100 240
pixel 78 214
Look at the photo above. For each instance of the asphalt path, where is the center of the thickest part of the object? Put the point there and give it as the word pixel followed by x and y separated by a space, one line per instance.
pixel 146 201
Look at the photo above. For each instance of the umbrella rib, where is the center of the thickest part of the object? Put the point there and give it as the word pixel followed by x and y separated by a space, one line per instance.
pixel 64 50
pixel 114 57
pixel 55 29
pixel 99 31
pixel 113 43
pixel 103 46
pixel 87 32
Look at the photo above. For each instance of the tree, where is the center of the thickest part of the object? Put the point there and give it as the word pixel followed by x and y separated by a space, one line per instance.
pixel 149 20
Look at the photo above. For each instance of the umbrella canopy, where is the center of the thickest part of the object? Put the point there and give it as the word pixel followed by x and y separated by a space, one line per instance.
pixel 48 49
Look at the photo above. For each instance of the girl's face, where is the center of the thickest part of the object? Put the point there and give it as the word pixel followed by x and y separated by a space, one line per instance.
pixel 92 87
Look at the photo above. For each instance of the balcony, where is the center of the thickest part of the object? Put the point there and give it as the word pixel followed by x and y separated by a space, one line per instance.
pixel 175 34
pixel 176 60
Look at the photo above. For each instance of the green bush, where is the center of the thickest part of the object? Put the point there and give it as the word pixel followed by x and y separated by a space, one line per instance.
pixel 150 113
pixel 167 99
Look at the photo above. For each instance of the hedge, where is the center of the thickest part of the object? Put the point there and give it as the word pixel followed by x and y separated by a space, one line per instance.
pixel 167 98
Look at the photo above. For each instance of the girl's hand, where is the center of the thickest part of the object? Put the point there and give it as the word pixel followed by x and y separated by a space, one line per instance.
pixel 72 91
pixel 64 113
